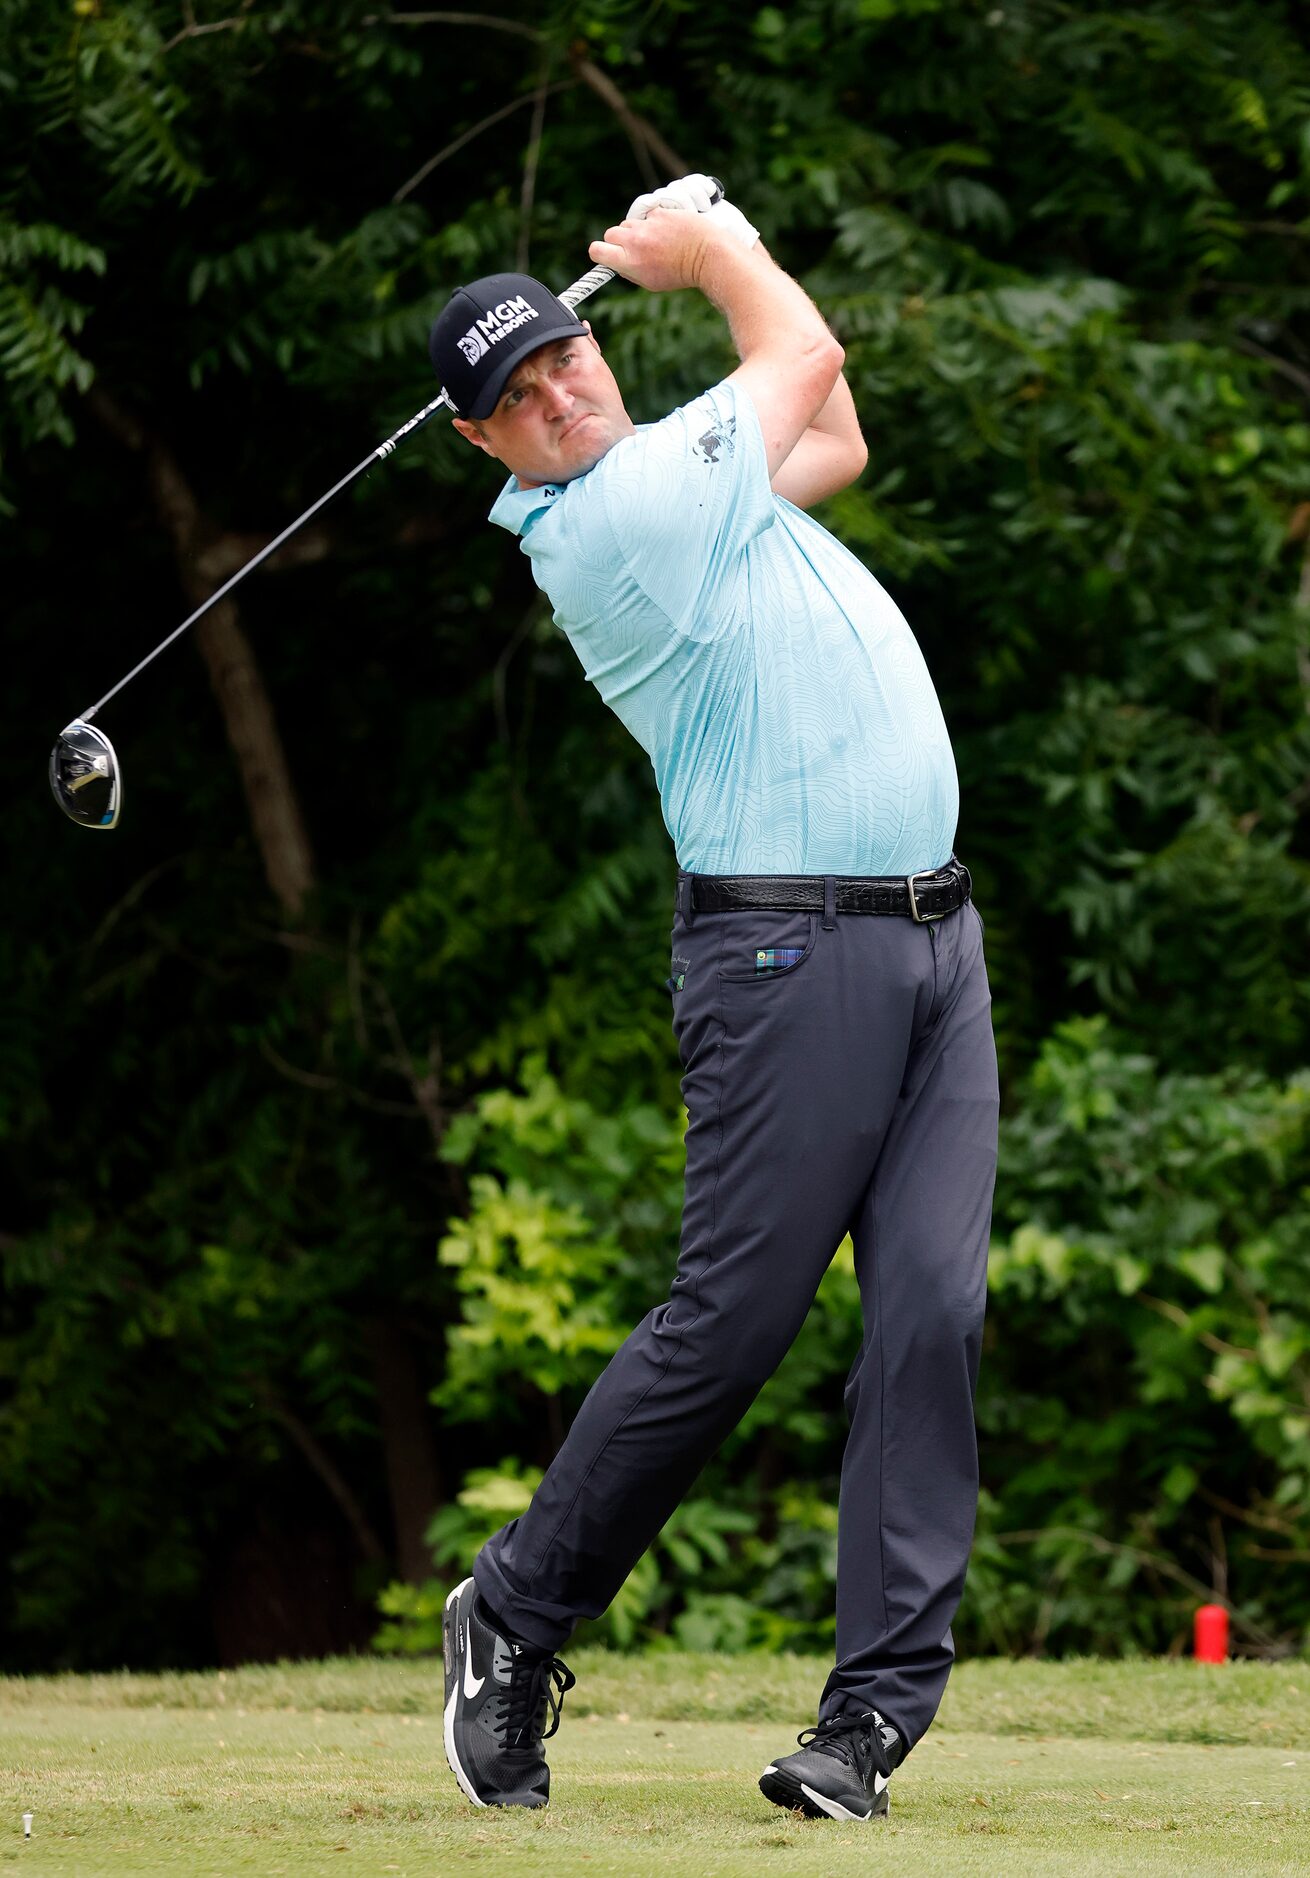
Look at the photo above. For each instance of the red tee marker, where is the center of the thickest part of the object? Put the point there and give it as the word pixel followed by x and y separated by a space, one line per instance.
pixel 1211 1634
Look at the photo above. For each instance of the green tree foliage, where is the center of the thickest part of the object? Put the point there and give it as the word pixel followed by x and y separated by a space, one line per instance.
pixel 1151 1231
pixel 264 1165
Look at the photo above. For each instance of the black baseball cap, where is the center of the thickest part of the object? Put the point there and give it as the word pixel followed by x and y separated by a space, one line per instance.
pixel 485 329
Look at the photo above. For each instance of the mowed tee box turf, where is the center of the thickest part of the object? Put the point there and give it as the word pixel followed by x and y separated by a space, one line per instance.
pixel 1032 1768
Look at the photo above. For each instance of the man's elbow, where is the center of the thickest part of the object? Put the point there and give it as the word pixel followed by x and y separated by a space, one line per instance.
pixel 846 468
pixel 850 451
pixel 820 366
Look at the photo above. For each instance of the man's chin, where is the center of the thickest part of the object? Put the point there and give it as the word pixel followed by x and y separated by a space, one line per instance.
pixel 585 455
pixel 590 451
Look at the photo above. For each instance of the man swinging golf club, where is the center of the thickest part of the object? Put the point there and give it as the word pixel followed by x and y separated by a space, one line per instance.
pixel 830 1001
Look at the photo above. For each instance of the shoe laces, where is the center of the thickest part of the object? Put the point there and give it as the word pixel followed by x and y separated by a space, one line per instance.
pixel 537 1686
pixel 850 1738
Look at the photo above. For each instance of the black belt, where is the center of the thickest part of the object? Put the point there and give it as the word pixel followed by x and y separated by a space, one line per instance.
pixel 929 895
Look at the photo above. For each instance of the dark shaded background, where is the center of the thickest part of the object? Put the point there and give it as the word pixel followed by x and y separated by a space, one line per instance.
pixel 375 959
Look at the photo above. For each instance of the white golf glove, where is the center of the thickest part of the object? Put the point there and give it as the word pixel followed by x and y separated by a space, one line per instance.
pixel 696 192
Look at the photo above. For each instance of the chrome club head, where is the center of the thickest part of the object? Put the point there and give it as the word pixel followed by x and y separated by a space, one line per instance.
pixel 84 776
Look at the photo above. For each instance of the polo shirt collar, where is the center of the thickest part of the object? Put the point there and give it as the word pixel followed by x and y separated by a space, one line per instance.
pixel 519 510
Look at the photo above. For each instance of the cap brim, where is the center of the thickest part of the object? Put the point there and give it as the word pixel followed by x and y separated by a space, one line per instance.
pixel 490 393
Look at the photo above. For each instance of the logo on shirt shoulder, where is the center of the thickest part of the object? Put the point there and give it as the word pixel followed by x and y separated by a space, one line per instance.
pixel 713 441
pixel 494 325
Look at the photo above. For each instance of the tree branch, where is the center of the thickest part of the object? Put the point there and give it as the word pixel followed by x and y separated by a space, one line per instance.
pixel 227 552
pixel 327 1470
pixel 467 136
pixel 1156 1561
pixel 223 556
pixel 1284 367
pixel 425 1084
pixel 491 21
pixel 192 31
pixel 1295 231
pixel 1263 1520
pixel 333 1085
pixel 641 133
pixel 500 674
pixel 1177 1315
pixel 531 159
pixel 424 1080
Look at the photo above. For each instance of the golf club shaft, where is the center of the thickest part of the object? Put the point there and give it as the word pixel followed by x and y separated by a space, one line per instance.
pixel 582 289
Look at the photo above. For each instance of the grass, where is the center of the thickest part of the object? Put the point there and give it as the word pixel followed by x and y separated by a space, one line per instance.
pixel 1032 1768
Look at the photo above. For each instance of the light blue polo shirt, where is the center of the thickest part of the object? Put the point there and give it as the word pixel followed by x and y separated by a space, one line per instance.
pixel 778 691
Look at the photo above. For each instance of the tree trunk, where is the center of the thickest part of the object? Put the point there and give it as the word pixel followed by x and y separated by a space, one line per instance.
pixel 408 1442
pixel 261 760
pixel 238 684
pixel 271 799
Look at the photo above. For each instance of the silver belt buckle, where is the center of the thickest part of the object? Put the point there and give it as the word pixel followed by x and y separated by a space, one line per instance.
pixel 928 873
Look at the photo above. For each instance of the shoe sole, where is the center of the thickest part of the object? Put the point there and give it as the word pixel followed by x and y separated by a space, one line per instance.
pixel 784 1790
pixel 450 1655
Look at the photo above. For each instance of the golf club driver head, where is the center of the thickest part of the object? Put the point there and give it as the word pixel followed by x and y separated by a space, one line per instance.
pixel 84 776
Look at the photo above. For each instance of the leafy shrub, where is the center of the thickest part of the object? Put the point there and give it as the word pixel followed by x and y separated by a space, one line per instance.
pixel 1143 1407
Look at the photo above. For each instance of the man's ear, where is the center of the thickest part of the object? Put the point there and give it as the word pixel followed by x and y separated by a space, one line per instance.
pixel 473 433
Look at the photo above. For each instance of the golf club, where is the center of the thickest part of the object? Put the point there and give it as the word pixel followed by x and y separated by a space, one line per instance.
pixel 85 775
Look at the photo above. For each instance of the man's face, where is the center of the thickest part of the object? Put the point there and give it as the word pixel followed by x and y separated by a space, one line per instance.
pixel 560 411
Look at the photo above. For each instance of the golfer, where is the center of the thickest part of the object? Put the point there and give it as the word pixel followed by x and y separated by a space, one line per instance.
pixel 830 1001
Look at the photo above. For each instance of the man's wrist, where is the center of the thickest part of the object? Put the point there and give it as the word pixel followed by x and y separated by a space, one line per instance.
pixel 724 264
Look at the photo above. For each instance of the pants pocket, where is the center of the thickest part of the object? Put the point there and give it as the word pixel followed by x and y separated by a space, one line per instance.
pixel 761 947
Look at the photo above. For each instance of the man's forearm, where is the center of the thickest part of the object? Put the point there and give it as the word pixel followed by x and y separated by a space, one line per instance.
pixel 838 418
pixel 766 310
pixel 830 455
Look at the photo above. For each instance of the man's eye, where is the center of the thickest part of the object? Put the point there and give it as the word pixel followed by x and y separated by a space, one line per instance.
pixel 567 358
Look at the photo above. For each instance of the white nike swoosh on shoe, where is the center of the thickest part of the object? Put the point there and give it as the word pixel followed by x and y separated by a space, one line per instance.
pixel 833 1808
pixel 879 1782
pixel 472 1684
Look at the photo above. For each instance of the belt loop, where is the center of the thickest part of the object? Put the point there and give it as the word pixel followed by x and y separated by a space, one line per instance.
pixel 829 902
pixel 685 905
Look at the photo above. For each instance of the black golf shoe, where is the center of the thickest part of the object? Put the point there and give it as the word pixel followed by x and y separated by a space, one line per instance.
pixel 497 1698
pixel 842 1769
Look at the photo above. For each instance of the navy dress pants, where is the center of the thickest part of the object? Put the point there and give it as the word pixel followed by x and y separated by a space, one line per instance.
pixel 840 1076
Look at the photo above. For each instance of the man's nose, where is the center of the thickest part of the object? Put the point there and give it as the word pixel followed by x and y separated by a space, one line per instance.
pixel 559 400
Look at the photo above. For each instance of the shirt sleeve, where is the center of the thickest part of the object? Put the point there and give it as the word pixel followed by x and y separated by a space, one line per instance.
pixel 684 498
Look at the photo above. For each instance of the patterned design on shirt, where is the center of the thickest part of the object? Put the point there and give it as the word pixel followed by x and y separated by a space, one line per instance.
pixel 782 698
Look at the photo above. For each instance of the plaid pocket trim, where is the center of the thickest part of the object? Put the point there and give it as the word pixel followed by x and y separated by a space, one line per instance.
pixel 776 959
